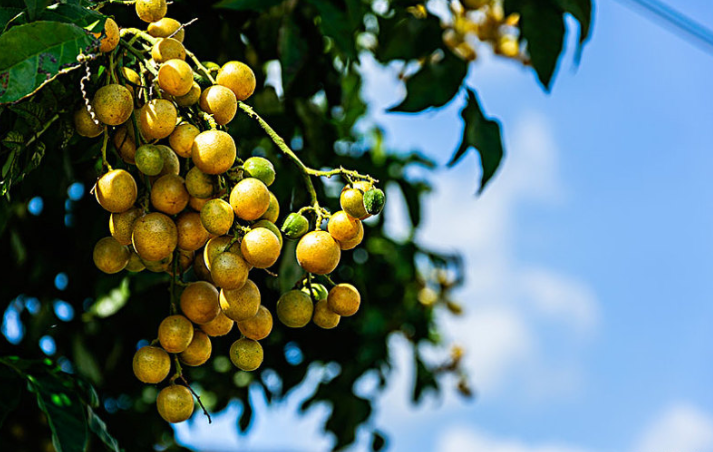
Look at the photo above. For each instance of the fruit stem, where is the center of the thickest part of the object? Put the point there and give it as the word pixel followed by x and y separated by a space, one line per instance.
pixel 138 55
pixel 140 33
pixel 199 65
pixel 44 129
pixel 183 379
pixel 174 276
pixel 105 163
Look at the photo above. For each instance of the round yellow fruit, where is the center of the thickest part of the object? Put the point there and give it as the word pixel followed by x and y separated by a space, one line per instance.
pixel 199 184
pixel 111 38
pixel 217 216
pixel 168 49
pixel 200 268
pixel 199 350
pixel 229 270
pixel 260 248
pixel 238 77
pixel 171 164
pixel 246 354
pixel 135 264
pixel 270 226
pixel 157 119
pixel 250 199
pixel 113 104
pixel 121 225
pixel 220 102
pixel 110 256
pixel 175 77
pixel 348 245
pixel 151 10
pixel 125 143
pixel 175 333
pixel 294 309
pixel 217 245
pixel 191 233
pixel 318 253
pixel 273 211
pixel 241 304
pixel 344 299
pixel 352 202
pixel 151 364
pixel 343 227
pixel 257 327
pixel 220 326
pixel 85 125
pixel 199 302
pixel 155 236
pixel 165 27
pixel 175 403
pixel 324 317
pixel 213 151
pixel 181 139
pixel 116 191
pixel 169 194
pixel 190 98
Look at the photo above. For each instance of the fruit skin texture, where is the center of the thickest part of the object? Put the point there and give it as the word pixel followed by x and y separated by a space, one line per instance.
pixel 84 125
pixel 175 77
pixel 374 200
pixel 171 165
pixel 344 299
pixel 217 245
pixel 246 354
pixel 270 226
pixel 295 226
pixel 165 27
pixel 191 233
pixel 110 256
pixel 121 225
pixel 229 271
pixel 324 317
pixel 125 144
pixel 343 227
pixel 351 244
pixel 157 119
pixel 149 160
pixel 199 351
pixel 151 364
pixel 260 247
pixel 175 403
pixel 190 98
pixel 151 10
pixel 181 139
pixel 155 236
pixel 250 199
pixel 260 168
pixel 217 216
pixel 220 102
pixel 199 184
pixel 294 309
pixel 113 104
pixel 111 40
pixel 116 191
pixel 241 304
pixel 220 326
pixel 199 302
pixel 169 194
pixel 273 210
pixel 213 151
pixel 175 333
pixel 318 252
pixel 257 327
pixel 135 264
pixel 238 77
pixel 168 49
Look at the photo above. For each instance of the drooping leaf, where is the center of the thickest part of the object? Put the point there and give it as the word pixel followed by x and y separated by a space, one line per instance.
pixel 112 302
pixel 34 7
pixel 11 384
pixel 241 5
pixel 483 134
pixel 35 53
pixel 406 37
pixel 97 425
pixel 434 85
pixel 75 14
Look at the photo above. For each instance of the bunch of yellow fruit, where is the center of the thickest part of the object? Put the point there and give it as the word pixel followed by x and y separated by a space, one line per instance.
pixel 185 200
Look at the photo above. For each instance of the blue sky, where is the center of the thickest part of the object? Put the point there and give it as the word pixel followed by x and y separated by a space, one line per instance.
pixel 588 301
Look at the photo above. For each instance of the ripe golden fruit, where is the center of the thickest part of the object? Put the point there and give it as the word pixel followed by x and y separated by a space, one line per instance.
pixel 294 308
pixel 111 38
pixel 165 27
pixel 348 245
pixel 110 256
pixel 125 144
pixel 199 184
pixel 217 245
pixel 217 216
pixel 199 302
pixel 220 102
pixel 175 77
pixel 270 227
pixel 343 227
pixel 121 225
pixel 151 364
pixel 169 194
pixel 246 354
pixel 238 77
pixel 318 253
pixel 257 327
pixel 132 78
pixel 324 317
pixel 213 151
pixel 149 159
pixel 197 203
pixel 135 264
pixel 273 211
pixel 113 104
pixel 220 326
pixel 200 268
pixel 181 139
pixel 198 351
pixel 116 191
pixel 229 270
pixel 157 119
pixel 159 266
pixel 260 168
pixel 250 199
pixel 185 261
pixel 191 233
pixel 241 304
pixel 191 98
pixel 155 236
pixel 168 49
pixel 84 125
pixel 171 165
pixel 260 247
pixel 344 299
pixel 352 202
pixel 151 10
pixel 175 333
pixel 175 403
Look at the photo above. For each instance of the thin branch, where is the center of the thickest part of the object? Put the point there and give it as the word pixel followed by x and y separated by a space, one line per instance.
pixel 205 411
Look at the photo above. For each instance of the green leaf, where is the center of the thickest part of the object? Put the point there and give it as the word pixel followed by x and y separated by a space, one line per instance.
pixel 405 37
pixel 112 302
pixel 77 15
pixel 99 428
pixel 85 361
pixel 483 134
pixel 6 15
pixel 35 53
pixel 11 388
pixel 293 51
pixel 425 379
pixel 335 23
pixel 434 85
pixel 241 5
pixel 581 10
pixel 34 7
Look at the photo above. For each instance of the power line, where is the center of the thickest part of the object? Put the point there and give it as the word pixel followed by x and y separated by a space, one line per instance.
pixel 702 36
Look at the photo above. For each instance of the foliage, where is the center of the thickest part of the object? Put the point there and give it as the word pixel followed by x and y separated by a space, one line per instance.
pixel 318 44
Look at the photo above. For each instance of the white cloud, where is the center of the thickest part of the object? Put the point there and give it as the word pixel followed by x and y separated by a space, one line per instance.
pixel 681 428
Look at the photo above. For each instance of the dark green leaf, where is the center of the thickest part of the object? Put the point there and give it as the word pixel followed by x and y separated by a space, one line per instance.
pixel 335 23
pixel 246 416
pixel 425 379
pixel 11 384
pixel 434 85
pixel 293 51
pixel 582 11
pixel 6 15
pixel 35 53
pixel 483 134
pixel 74 14
pixel 241 5
pixel 406 37
pixel 34 7
pixel 99 428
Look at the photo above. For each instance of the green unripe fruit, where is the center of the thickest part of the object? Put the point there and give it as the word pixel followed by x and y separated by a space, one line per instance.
pixel 295 308
pixel 246 354
pixel 260 168
pixel 319 292
pixel 295 226
pixel 149 160
pixel 374 201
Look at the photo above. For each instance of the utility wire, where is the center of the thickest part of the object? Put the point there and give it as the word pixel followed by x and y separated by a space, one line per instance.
pixel 703 36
